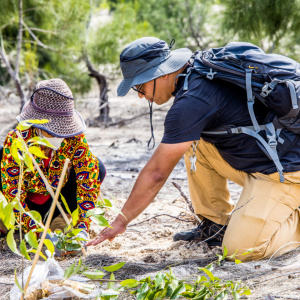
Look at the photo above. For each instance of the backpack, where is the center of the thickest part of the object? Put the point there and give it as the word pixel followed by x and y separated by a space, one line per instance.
pixel 270 78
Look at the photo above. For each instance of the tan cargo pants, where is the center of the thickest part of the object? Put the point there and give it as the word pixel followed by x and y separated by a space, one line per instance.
pixel 266 217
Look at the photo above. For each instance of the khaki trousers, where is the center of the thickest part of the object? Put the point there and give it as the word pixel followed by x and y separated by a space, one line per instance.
pixel 266 217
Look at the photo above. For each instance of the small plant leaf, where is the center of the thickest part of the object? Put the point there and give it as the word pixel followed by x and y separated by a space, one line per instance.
pixel 37 152
pixel 23 250
pixel 237 261
pixel 40 253
pixel 158 279
pixel 114 268
pixel 76 270
pixel 40 141
pixel 177 291
pixel 100 220
pixel 9 216
pixel 28 162
pixel 35 216
pixel 65 204
pixel 17 282
pixel 130 283
pixel 69 271
pixel 94 274
pixel 107 203
pixel 73 246
pixel 31 239
pixel 75 217
pixel 111 284
pixel 49 246
pixel 11 242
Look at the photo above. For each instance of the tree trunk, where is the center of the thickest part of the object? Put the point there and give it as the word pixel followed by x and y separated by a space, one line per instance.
pixel 103 89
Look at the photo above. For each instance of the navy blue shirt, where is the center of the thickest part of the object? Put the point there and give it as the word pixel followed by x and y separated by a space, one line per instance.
pixel 209 104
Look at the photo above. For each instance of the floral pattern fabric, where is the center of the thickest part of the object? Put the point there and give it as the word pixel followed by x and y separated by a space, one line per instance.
pixel 82 160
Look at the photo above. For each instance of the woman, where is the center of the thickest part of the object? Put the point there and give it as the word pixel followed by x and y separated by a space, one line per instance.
pixel 53 100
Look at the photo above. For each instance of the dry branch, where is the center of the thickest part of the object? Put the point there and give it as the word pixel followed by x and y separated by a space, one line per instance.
pixel 187 200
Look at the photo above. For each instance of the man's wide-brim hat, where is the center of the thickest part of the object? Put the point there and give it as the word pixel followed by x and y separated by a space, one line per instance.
pixel 148 58
pixel 53 100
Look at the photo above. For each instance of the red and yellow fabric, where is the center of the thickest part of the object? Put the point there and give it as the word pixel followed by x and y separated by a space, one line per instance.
pixel 82 160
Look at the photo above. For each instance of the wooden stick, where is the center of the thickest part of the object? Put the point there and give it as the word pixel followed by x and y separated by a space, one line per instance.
pixel 187 200
pixel 48 186
pixel 49 219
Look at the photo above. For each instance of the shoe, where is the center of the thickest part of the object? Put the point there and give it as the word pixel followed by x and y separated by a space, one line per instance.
pixel 203 231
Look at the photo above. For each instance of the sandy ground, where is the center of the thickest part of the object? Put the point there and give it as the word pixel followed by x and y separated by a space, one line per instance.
pixel 149 247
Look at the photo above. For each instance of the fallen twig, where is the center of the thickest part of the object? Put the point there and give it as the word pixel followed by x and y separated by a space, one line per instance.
pixel 282 275
pixel 159 216
pixel 6 283
pixel 187 200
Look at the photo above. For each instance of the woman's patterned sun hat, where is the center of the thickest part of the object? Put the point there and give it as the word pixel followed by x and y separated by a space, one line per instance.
pixel 53 100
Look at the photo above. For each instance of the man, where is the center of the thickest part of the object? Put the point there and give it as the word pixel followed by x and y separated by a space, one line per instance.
pixel 267 216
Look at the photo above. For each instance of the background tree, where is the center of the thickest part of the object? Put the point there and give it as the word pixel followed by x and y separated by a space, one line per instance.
pixel 270 24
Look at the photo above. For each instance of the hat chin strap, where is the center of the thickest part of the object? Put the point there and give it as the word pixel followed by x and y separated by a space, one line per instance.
pixel 151 125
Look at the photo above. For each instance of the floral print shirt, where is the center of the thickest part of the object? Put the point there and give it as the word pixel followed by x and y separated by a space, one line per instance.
pixel 82 161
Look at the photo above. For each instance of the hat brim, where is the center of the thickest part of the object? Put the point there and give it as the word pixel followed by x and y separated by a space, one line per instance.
pixel 58 126
pixel 178 58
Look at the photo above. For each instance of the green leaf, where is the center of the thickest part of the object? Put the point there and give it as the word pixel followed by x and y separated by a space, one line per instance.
pixel 76 270
pixel 69 271
pixel 158 279
pixel 235 295
pixel 247 291
pixel 23 250
pixel 111 284
pixel 65 204
pixel 237 261
pixel 3 199
pixel 9 215
pixel 11 242
pixel 109 293
pixel 42 121
pixel 49 246
pixel 100 220
pixel 14 151
pixel 73 246
pixel 28 162
pixel 210 274
pixel 249 251
pixel 233 255
pixel 107 203
pixel 225 252
pixel 40 253
pixel 37 152
pixel 130 283
pixel 31 239
pixel 23 125
pixel 75 217
pixel 94 211
pixel 94 274
pixel 17 282
pixel 114 268
pixel 40 141
pixel 177 291
pixel 35 216
pixel 74 232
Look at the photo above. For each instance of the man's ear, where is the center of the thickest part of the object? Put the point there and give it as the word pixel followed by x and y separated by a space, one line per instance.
pixel 166 76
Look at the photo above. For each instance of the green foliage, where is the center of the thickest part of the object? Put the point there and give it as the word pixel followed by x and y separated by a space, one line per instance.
pixel 272 25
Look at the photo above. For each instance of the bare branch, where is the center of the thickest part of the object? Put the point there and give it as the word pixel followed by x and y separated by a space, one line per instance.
pixel 19 40
pixel 42 30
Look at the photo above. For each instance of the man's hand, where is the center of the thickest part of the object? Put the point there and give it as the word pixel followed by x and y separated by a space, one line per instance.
pixel 118 227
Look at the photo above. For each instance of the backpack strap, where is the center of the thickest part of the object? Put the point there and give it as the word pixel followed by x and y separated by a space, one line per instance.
pixel 250 99
pixel 270 147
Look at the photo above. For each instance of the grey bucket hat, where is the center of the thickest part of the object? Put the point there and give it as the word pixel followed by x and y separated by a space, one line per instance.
pixel 148 58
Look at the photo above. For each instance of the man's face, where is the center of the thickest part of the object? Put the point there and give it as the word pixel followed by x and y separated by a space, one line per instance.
pixel 163 90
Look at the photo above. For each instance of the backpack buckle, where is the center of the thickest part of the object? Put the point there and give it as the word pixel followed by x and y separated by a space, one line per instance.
pixel 210 75
pixel 265 91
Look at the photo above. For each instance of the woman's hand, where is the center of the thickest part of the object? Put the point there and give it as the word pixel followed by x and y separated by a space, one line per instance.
pixel 118 227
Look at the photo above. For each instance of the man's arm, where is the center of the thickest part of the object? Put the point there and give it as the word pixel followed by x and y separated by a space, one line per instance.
pixel 149 182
